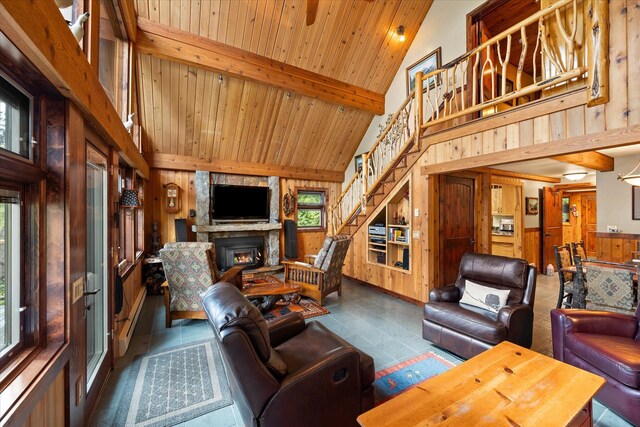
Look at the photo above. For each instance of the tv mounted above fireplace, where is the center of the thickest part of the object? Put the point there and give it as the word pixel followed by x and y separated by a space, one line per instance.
pixel 239 203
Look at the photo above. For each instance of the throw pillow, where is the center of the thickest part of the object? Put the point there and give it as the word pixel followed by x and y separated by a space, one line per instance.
pixel 491 299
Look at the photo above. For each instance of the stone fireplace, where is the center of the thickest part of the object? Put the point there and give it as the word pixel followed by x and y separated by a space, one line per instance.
pixel 209 231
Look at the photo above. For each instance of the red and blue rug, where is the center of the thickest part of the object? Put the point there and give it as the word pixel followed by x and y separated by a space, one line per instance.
pixel 404 376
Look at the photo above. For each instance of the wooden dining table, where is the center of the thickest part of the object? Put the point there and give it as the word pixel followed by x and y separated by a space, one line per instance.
pixel 579 298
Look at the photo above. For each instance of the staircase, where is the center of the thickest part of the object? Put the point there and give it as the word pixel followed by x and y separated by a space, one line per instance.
pixel 468 85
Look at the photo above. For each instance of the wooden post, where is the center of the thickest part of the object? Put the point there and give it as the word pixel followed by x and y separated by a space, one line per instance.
pixel 365 181
pixel 598 48
pixel 419 105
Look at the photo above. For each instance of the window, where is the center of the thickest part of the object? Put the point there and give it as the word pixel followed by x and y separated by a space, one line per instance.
pixel 311 209
pixel 15 123
pixel 113 59
pixel 10 271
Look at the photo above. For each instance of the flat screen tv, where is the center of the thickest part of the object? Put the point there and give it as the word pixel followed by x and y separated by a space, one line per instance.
pixel 239 203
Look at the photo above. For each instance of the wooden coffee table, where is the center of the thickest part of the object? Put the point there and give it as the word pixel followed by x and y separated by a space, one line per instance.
pixel 505 386
pixel 267 286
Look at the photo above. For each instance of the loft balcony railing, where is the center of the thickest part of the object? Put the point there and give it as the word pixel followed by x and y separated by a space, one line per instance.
pixel 569 49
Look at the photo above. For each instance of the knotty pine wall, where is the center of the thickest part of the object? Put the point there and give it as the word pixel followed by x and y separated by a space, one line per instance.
pixel 413 284
pixel 616 247
pixel 531 247
pixel 558 119
pixel 308 242
pixel 50 409
pixel 154 203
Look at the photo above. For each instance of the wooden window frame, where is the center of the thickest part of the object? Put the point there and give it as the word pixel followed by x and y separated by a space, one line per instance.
pixel 323 208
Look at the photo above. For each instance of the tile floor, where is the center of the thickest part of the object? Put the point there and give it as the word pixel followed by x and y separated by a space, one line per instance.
pixel 387 328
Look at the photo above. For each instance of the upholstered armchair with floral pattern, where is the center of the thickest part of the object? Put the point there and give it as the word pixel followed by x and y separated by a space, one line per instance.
pixel 325 275
pixel 190 269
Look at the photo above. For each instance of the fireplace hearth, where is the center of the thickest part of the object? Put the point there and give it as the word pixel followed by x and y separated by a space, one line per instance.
pixel 245 251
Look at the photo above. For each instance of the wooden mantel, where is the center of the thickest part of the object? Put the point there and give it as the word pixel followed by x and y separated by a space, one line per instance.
pixel 237 227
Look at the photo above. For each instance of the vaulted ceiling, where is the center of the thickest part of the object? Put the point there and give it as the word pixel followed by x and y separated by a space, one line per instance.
pixel 226 81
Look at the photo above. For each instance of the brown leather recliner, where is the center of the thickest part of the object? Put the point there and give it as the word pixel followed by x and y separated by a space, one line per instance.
pixel 287 372
pixel 466 330
pixel 606 344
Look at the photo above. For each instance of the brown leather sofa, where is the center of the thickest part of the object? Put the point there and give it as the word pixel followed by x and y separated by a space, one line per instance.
pixel 466 330
pixel 287 372
pixel 606 344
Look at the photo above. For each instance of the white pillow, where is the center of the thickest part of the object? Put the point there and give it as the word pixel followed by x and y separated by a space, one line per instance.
pixel 491 299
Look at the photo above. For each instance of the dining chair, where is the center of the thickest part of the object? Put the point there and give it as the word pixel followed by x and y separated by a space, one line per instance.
pixel 611 288
pixel 563 260
pixel 577 248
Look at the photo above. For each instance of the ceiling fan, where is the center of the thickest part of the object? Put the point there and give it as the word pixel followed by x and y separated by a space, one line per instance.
pixel 312 10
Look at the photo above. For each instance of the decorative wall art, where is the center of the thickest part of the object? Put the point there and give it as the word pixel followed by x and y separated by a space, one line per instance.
pixel 531 205
pixel 431 62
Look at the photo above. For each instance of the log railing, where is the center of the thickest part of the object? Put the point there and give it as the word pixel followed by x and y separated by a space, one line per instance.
pixel 486 78
pixel 391 144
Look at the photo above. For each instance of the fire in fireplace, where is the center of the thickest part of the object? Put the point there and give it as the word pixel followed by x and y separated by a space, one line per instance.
pixel 247 251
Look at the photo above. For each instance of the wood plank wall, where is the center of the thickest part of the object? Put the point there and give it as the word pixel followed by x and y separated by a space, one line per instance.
pixel 154 204
pixel 531 246
pixel 50 410
pixel 409 284
pixel 309 242
pixel 133 298
pixel 538 126
pixel 616 247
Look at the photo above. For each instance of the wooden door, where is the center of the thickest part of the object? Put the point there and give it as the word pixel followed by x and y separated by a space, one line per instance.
pixel 551 224
pixel 588 232
pixel 457 232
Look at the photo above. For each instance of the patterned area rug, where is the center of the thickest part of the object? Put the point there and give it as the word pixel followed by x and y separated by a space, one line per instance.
pixel 399 378
pixel 307 307
pixel 168 387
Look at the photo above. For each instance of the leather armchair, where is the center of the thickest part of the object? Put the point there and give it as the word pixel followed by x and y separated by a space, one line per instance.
pixel 287 372
pixel 466 330
pixel 606 344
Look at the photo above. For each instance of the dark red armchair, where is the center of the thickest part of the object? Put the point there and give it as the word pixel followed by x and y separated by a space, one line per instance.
pixel 606 344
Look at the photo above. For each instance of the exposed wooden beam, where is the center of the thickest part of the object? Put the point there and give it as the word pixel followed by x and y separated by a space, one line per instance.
pixel 189 163
pixel 596 141
pixel 312 10
pixel 530 177
pixel 529 111
pixel 175 45
pixel 129 19
pixel 590 159
pixel 578 186
pixel 51 47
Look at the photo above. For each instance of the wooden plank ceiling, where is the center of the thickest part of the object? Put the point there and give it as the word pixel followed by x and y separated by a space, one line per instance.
pixel 192 113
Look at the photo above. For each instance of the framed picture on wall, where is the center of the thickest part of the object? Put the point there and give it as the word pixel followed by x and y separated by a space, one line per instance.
pixel 531 205
pixel 431 62
pixel 635 202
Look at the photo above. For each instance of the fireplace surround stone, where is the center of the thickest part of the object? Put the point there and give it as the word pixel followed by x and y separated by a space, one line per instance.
pixel 208 231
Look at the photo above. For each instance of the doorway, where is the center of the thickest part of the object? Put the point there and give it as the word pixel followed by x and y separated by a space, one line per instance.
pixel 456 225
pixel 96 296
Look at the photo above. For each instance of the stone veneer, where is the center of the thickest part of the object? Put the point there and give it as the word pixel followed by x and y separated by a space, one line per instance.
pixel 207 232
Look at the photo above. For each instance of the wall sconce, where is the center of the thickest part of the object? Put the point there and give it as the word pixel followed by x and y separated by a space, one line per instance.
pixel 631 178
pixel 400 32
pixel 575 176
pixel 129 199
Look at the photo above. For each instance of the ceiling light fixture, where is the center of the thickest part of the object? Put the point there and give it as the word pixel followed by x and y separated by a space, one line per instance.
pixel 575 176
pixel 632 177
pixel 400 32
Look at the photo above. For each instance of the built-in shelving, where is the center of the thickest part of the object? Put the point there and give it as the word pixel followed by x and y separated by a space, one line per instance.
pixel 389 232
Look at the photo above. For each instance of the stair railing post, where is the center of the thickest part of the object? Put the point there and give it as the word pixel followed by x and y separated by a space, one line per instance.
pixel 597 29
pixel 419 105
pixel 365 181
